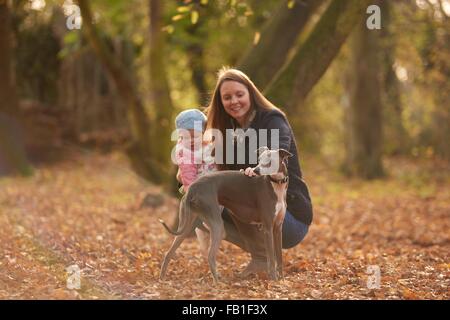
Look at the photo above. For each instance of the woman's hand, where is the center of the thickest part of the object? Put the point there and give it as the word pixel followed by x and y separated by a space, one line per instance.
pixel 249 172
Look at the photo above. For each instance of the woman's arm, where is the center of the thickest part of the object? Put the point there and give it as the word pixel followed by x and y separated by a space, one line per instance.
pixel 284 132
pixel 277 122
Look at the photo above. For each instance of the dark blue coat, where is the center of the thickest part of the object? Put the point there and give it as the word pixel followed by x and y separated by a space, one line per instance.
pixel 298 198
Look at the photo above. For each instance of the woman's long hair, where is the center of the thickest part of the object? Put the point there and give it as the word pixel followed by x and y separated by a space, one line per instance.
pixel 218 118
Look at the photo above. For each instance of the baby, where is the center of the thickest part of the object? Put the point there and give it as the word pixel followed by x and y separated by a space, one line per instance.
pixel 193 156
pixel 191 148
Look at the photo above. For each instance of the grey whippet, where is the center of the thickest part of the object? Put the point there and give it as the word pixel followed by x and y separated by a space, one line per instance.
pixel 258 200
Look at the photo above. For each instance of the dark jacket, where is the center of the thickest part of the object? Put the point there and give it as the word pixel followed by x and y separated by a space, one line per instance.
pixel 298 199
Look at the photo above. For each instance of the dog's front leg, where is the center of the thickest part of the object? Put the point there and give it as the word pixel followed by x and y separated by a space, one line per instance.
pixel 270 252
pixel 277 235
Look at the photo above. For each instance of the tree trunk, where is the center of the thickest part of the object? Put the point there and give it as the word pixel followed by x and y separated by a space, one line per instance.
pixel 196 55
pixel 160 94
pixel 194 47
pixel 8 97
pixel 263 60
pixel 289 89
pixel 438 78
pixel 140 149
pixel 441 122
pixel 441 113
pixel 392 115
pixel 12 152
pixel 363 158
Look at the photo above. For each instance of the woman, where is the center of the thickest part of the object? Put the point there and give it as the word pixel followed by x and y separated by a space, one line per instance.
pixel 237 103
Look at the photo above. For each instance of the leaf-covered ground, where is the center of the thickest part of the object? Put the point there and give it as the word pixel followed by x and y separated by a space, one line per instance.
pixel 86 212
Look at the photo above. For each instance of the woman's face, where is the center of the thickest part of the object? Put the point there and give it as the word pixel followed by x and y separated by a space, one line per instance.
pixel 235 99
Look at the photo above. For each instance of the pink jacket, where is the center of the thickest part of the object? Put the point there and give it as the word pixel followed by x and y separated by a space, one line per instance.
pixel 190 170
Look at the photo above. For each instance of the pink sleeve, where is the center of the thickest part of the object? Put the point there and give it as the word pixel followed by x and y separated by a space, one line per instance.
pixel 188 171
pixel 188 174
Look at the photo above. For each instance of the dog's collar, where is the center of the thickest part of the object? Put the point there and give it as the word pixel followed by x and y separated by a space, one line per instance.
pixel 279 181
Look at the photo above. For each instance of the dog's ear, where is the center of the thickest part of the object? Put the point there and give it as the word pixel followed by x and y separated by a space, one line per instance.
pixel 261 150
pixel 284 154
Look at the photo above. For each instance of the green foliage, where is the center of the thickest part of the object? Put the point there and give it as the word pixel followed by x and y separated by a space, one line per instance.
pixel 424 52
pixel 72 43
pixel 223 30
pixel 422 61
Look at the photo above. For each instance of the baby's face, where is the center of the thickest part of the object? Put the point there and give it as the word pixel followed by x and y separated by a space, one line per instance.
pixel 190 138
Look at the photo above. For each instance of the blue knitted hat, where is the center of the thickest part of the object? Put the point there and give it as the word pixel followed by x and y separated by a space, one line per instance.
pixel 190 119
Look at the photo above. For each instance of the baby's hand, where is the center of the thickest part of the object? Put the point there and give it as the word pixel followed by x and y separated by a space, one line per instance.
pixel 249 172
pixel 179 176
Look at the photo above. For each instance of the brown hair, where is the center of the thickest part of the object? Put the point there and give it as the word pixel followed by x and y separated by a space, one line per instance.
pixel 217 117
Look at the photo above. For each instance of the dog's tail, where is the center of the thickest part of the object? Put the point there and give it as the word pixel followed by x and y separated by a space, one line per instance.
pixel 198 224
pixel 184 219
pixel 167 227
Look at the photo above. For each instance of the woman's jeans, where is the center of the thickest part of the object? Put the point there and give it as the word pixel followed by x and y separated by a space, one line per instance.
pixel 249 238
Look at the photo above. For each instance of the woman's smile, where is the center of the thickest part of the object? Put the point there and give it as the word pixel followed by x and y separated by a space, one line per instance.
pixel 236 100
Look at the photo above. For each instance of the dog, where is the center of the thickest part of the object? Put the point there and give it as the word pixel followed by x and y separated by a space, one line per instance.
pixel 258 200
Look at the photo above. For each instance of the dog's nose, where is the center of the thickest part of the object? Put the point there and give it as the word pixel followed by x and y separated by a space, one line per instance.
pixel 257 170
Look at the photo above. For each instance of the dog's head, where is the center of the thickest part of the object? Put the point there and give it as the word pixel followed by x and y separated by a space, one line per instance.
pixel 271 161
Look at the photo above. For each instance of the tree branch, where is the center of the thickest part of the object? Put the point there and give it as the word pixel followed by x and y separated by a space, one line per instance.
pixel 263 60
pixel 315 55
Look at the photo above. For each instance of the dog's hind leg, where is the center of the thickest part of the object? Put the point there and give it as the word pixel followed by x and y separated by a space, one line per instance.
pixel 177 242
pixel 169 255
pixel 217 233
pixel 203 241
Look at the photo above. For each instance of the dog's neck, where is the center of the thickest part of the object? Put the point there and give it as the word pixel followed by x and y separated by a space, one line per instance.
pixel 281 176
